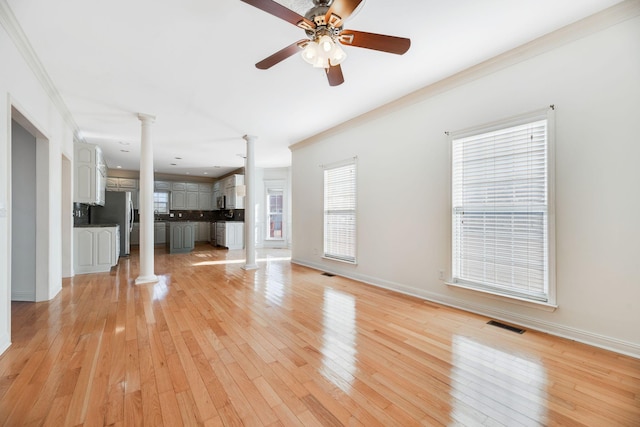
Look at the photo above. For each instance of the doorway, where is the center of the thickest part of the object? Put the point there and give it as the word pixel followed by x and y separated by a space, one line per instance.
pixel 23 207
pixel 29 211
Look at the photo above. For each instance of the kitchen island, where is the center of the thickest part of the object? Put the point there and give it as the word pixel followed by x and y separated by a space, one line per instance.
pixel 96 247
pixel 180 236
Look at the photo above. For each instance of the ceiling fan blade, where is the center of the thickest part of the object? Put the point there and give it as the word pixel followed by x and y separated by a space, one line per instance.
pixel 276 9
pixel 281 55
pixel 381 42
pixel 341 10
pixel 334 74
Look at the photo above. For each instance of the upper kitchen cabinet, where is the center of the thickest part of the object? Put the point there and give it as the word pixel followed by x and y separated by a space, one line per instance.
pixel 205 202
pixel 162 186
pixel 90 174
pixel 231 186
pixel 124 184
pixel 218 193
pixel 190 196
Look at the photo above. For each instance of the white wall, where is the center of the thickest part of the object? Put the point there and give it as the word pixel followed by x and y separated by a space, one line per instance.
pixel 21 89
pixel 403 173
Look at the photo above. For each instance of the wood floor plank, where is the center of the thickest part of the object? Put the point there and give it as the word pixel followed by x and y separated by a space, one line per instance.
pixel 212 344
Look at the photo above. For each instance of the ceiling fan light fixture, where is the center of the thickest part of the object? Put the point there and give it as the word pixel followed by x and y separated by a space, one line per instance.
pixel 326 45
pixel 323 53
pixel 321 62
pixel 310 53
pixel 338 55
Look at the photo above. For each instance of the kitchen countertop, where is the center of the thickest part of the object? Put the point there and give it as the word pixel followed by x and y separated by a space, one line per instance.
pixel 94 225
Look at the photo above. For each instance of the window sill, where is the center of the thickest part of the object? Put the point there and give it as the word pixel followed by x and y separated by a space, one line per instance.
pixel 540 305
pixel 340 260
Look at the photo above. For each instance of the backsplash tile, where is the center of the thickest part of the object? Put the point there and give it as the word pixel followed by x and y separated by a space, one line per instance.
pixel 207 216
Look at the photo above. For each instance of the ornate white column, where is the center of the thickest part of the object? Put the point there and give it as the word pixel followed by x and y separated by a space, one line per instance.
pixel 145 208
pixel 250 205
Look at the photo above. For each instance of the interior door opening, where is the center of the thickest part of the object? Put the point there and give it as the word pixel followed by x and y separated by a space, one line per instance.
pixel 23 214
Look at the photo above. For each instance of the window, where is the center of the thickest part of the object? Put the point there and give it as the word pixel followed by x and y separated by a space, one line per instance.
pixel 501 232
pixel 161 202
pixel 275 202
pixel 340 211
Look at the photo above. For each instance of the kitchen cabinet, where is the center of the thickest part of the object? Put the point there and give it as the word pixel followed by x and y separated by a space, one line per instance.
pixel 192 200
pixel 180 237
pixel 202 233
pixel 162 185
pixel 212 233
pixel 134 238
pixel 95 249
pixel 160 233
pixel 233 201
pixel 218 191
pixel 90 177
pixel 190 196
pixel 191 190
pixel 230 234
pixel 125 184
pixel 128 183
pixel 205 200
pixel 178 200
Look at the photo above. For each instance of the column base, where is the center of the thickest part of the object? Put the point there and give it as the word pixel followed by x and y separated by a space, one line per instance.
pixel 141 280
pixel 250 267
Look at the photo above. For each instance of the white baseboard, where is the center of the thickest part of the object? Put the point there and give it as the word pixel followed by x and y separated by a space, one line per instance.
pixel 5 342
pixel 585 337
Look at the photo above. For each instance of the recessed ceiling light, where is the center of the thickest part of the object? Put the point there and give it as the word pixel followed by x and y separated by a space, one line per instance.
pixel 125 151
pixel 206 173
pixel 173 164
pixel 124 143
pixel 118 167
pixel 178 158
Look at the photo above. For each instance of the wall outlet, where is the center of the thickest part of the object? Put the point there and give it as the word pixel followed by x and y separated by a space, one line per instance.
pixel 171 215
pixel 179 214
pixel 441 274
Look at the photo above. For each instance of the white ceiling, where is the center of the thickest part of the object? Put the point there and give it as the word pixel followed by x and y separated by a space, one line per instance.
pixel 191 64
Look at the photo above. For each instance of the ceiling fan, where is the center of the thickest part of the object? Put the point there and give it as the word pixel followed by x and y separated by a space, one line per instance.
pixel 323 24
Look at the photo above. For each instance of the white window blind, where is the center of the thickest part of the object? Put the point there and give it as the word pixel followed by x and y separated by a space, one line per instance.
pixel 340 212
pixel 500 207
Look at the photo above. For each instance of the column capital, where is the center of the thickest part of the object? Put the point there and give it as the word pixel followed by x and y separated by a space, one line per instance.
pixel 249 138
pixel 146 118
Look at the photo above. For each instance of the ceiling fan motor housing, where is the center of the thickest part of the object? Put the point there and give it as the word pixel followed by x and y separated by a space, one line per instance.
pixel 317 14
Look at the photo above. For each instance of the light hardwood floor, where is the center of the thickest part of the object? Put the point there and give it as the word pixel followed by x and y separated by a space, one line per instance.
pixel 212 344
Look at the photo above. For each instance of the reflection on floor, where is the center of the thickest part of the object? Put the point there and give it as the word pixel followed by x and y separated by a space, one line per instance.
pixel 213 344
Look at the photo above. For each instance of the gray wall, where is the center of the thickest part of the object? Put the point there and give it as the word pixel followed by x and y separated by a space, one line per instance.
pixel 23 202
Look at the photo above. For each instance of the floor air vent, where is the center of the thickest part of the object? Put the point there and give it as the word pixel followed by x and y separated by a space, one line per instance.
pixel 507 327
pixel 328 274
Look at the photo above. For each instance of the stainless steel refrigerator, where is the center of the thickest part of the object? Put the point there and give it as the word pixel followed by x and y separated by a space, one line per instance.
pixel 117 209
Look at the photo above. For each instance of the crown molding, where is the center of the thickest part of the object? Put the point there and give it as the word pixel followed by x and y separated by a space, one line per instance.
pixel 592 24
pixel 12 26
